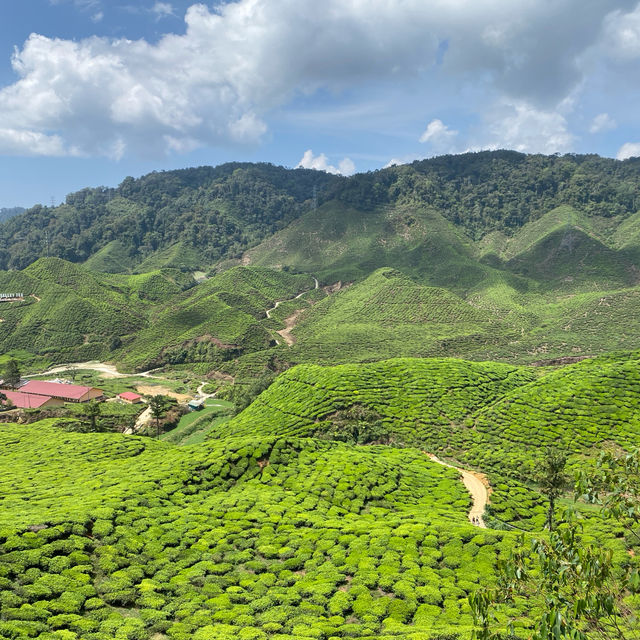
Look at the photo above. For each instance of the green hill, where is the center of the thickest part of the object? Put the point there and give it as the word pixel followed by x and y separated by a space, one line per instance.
pixel 200 217
pixel 386 315
pixel 492 417
pixel 471 410
pixel 338 243
pixel 109 536
pixel 214 322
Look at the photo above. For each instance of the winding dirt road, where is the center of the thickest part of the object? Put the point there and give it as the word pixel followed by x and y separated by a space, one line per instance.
pixel 476 485
pixel 279 302
pixel 107 370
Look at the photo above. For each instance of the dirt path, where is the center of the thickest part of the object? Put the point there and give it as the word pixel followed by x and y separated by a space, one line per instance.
pixel 143 419
pixel 477 485
pixel 106 370
pixel 289 324
pixel 279 302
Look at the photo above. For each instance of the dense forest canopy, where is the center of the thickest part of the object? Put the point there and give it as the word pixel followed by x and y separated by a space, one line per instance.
pixel 220 212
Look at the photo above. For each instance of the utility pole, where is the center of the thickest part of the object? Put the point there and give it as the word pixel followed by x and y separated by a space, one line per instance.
pixel 314 204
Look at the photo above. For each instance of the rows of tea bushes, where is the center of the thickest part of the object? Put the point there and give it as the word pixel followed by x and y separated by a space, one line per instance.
pixel 495 418
pixel 386 315
pixel 420 399
pixel 578 407
pixel 105 536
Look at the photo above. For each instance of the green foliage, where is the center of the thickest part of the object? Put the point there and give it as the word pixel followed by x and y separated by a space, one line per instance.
pixel 12 374
pixel 209 213
pixel 573 588
pixel 552 479
pixel 242 536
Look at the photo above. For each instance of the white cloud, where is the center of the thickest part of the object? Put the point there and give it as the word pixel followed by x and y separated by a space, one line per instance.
pixel 602 122
pixel 622 34
pixel 30 143
pixel 97 17
pixel 438 134
pixel 162 9
pixel 406 159
pixel 218 82
pixel 524 128
pixel 320 162
pixel 629 150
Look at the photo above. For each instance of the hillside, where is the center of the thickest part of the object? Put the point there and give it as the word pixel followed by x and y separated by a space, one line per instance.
pixel 202 217
pixel 492 417
pixel 70 313
pixel 244 537
pixel 386 315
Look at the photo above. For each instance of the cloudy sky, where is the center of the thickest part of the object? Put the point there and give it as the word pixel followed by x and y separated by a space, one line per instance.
pixel 94 90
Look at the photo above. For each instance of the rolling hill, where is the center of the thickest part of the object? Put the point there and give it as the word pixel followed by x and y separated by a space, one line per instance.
pixel 114 536
pixel 482 307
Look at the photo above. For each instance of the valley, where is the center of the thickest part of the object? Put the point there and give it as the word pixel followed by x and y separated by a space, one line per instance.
pixel 384 371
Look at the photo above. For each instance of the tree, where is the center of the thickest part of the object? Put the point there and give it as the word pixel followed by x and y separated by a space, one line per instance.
pixel 12 374
pixel 553 480
pixel 158 406
pixel 357 425
pixel 92 411
pixel 574 585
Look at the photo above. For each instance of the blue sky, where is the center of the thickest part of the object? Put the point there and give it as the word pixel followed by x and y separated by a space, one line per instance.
pixel 94 90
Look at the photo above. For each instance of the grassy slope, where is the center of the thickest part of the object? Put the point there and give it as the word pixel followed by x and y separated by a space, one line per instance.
pixel 447 404
pixel 71 313
pixel 338 243
pixel 243 537
pixel 386 315
pixel 222 313
pixel 490 416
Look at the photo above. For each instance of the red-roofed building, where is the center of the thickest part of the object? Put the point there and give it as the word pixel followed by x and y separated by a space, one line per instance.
pixel 31 401
pixel 66 392
pixel 130 397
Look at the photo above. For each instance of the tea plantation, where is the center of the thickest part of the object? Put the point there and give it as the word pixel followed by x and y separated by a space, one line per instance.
pixel 107 536
pixel 484 308
pixel 493 417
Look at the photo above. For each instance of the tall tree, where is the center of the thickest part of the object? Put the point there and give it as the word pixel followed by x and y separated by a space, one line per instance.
pixel 92 411
pixel 158 406
pixel 12 374
pixel 553 480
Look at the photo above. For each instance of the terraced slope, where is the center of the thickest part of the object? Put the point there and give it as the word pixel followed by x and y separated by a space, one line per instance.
pixel 342 243
pixel 386 315
pixel 422 402
pixel 214 322
pixel 70 313
pixel 494 418
pixel 242 538
pixel 488 413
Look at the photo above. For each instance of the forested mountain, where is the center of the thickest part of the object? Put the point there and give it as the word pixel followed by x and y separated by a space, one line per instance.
pixel 197 218
pixel 209 213
pixel 9 212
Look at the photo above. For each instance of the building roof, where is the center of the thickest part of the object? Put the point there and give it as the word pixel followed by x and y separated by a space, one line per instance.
pixel 26 400
pixel 130 395
pixel 55 390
